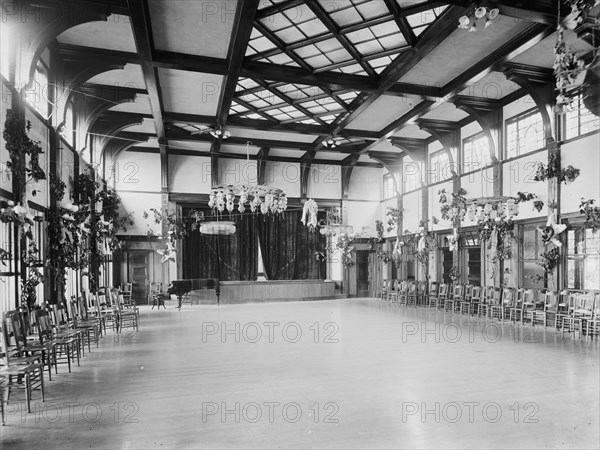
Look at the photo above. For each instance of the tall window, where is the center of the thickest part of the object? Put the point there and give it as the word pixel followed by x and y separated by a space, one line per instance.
pixel 411 174
pixel 439 166
pixel 580 120
pixel 524 133
pixel 389 190
pixel 37 94
pixel 476 152
pixel 4 50
pixel 583 260
pixel 532 247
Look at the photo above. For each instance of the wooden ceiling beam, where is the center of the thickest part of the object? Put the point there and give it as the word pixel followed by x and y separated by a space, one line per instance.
pixel 242 28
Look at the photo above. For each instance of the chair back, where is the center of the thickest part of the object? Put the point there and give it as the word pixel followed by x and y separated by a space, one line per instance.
pixel 494 295
pixel 458 292
pixel 443 291
pixel 15 330
pixel 468 292
pixel 44 326
pixel 508 297
pixel 433 288
pixel 127 287
pixel 476 294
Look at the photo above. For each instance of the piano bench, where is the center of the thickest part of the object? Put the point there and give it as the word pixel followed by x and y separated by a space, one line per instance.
pixel 158 300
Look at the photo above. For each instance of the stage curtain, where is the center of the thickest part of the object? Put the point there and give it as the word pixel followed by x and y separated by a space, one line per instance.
pixel 228 258
pixel 278 237
pixel 288 248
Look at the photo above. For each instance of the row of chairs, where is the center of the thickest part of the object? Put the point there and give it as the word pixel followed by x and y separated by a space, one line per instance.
pixel 571 311
pixel 51 335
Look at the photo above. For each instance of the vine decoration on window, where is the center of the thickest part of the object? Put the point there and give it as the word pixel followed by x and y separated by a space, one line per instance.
pixel 592 214
pixel 553 171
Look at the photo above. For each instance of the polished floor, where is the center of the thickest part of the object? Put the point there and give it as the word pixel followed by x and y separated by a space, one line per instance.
pixel 354 373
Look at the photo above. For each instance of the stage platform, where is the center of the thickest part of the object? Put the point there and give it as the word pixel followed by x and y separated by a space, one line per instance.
pixel 235 292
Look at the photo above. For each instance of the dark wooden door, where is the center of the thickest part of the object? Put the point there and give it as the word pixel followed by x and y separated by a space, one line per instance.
pixel 362 273
pixel 138 273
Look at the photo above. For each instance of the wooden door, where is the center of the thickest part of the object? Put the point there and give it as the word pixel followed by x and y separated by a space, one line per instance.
pixel 138 263
pixel 362 273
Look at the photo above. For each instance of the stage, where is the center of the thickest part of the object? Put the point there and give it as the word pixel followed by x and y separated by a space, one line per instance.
pixel 265 291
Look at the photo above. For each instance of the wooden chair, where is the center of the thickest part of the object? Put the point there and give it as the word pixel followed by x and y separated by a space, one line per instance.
pixel 127 317
pixel 412 294
pixel 18 372
pixel 126 289
pixel 471 300
pixel 432 292
pixel 65 348
pixel 392 295
pixel 452 301
pixel 546 308
pixel 492 299
pixel 439 297
pixel 593 324
pixel 580 311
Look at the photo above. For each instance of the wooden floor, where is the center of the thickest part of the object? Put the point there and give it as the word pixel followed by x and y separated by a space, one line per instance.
pixel 374 376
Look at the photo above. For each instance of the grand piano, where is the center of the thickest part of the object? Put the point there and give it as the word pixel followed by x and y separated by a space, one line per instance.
pixel 184 287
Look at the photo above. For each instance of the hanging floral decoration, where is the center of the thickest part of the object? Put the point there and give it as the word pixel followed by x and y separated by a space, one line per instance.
pixel 309 214
pixel 344 245
pixel 394 215
pixel 549 260
pixel 384 256
pixel 320 255
pixel 454 274
pixel 379 230
pixel 68 231
pixel 453 240
pixel 177 228
pixel 592 214
pixel 24 163
pixel 553 171
pixel 567 67
pixel 550 233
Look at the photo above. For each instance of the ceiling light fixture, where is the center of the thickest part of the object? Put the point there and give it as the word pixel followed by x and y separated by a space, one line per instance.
pixel 331 142
pixel 475 14
pixel 217 132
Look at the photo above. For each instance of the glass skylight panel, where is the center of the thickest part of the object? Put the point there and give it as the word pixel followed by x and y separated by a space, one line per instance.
pixel 346 16
pixel 328 119
pixel 379 64
pixel 245 83
pixel 370 10
pixel 354 69
pixel 255 116
pixel 348 96
pixel 277 21
pixel 317 61
pixel 313 28
pixel 290 35
pixel 258 45
pixel 409 3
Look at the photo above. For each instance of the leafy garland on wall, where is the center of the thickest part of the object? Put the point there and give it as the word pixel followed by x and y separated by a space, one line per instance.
pixel 592 214
pixel 103 224
pixel 24 163
pixel 553 170
pixel 494 222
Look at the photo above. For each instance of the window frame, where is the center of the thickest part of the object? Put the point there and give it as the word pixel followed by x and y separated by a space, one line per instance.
pixel 472 139
pixel 439 174
pixel 580 107
pixel 389 178
pixel 516 119
pixel 579 258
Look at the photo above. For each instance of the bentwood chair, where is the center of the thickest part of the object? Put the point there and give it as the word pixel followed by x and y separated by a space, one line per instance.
pixel 412 294
pixel 547 308
pixel 126 289
pixel 491 300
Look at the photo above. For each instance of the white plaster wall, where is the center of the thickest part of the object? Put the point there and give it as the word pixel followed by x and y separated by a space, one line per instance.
pixel 325 181
pixel 366 184
pixel 137 172
pixel 137 203
pixel 190 174
pixel 583 154
pixel 518 177
pixel 283 175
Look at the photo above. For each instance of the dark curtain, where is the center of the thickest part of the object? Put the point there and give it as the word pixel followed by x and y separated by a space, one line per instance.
pixel 288 248
pixel 228 258
pixel 278 236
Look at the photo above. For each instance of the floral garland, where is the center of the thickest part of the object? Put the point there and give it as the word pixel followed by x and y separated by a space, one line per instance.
pixel 384 256
pixel 379 230
pixel 343 244
pixel 454 274
pixel 553 170
pixel 592 214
